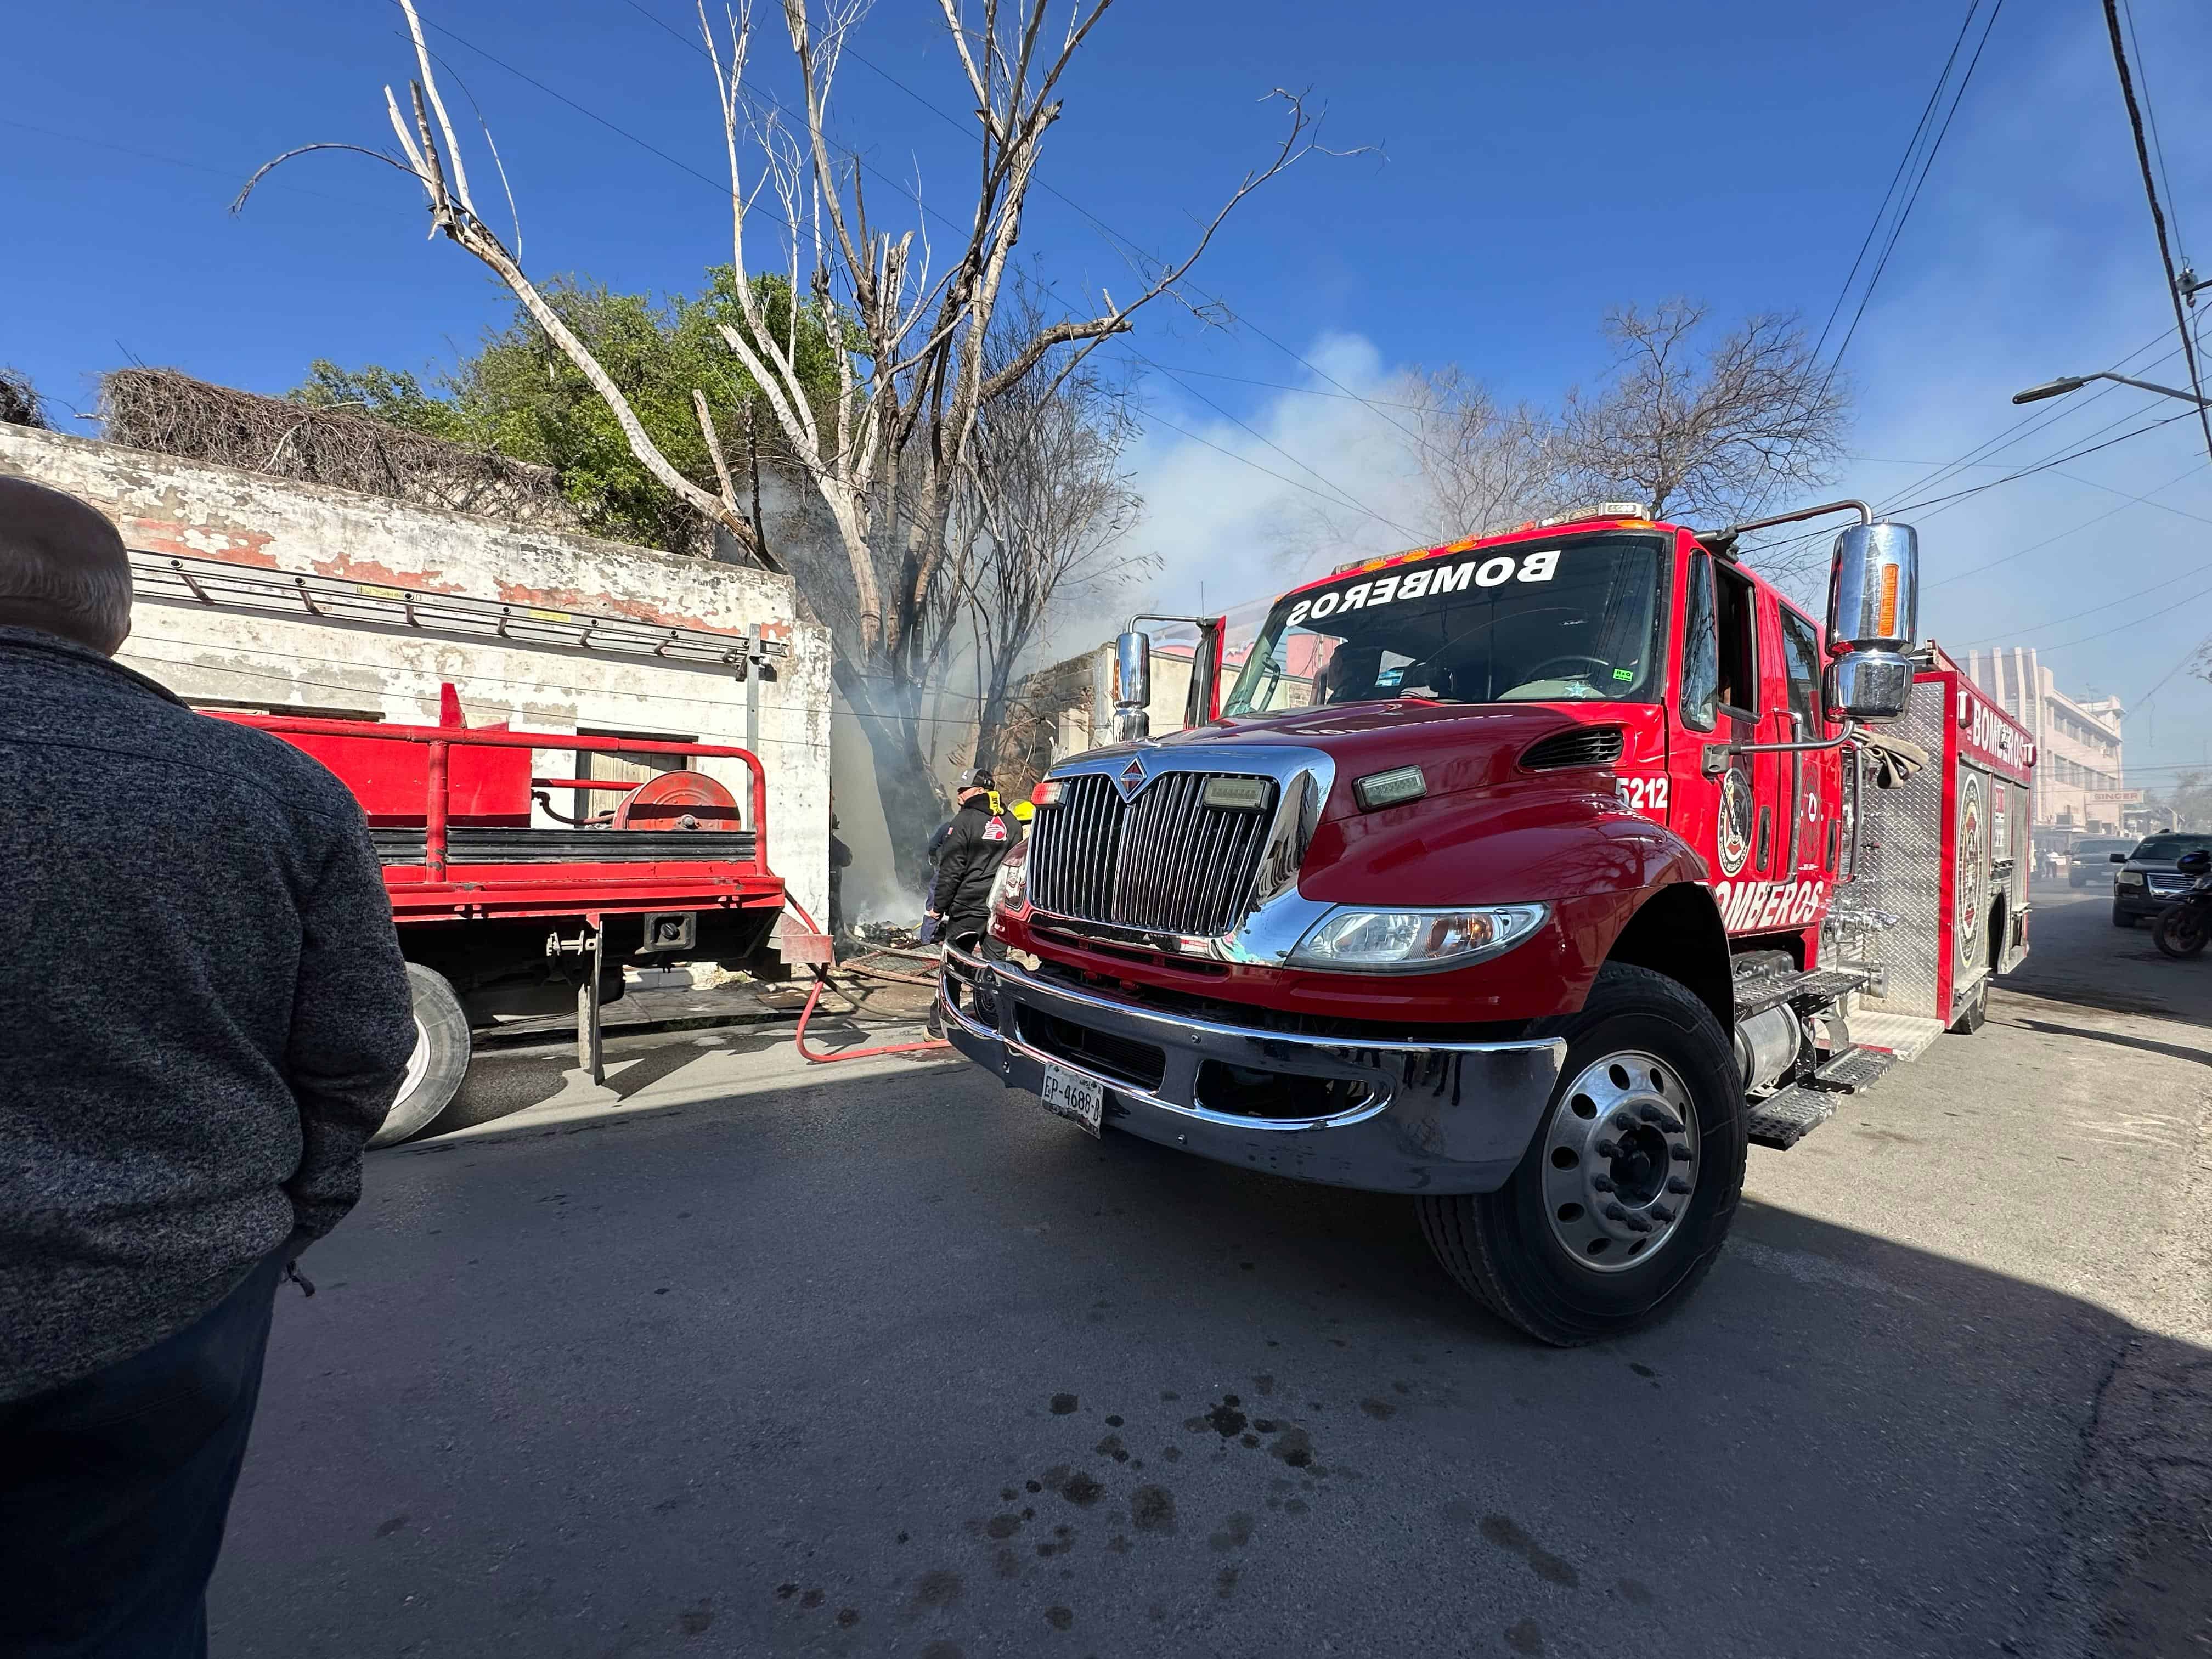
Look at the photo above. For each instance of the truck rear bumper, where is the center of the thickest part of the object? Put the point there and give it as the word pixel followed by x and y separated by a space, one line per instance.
pixel 1414 1116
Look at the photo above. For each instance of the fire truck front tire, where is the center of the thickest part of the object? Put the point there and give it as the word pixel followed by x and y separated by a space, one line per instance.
pixel 1631 1182
pixel 441 1057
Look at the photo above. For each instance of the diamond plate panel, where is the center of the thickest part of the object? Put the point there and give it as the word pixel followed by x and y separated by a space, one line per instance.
pixel 1900 869
pixel 1905 1036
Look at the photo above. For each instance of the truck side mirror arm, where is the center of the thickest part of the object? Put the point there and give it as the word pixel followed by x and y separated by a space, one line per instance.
pixel 1718 755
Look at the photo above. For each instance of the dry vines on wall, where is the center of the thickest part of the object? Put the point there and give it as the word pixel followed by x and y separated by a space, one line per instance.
pixel 173 414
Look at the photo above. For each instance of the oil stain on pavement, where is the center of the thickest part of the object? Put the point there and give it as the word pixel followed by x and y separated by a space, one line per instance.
pixel 1020 1546
pixel 1025 1546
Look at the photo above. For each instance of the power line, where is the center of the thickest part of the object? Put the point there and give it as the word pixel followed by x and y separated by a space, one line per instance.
pixel 1185 432
pixel 231 173
pixel 1944 502
pixel 2122 628
pixel 2187 657
pixel 2157 218
pixel 1901 503
pixel 1897 229
pixel 2039 420
pixel 1282 386
pixel 1347 495
pixel 2024 427
pixel 2042 466
pixel 2132 501
pixel 1890 195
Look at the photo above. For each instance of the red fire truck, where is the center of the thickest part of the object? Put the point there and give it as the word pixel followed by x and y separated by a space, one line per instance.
pixel 499 915
pixel 1535 876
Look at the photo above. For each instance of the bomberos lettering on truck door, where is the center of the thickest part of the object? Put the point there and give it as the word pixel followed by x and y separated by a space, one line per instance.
pixel 1764 907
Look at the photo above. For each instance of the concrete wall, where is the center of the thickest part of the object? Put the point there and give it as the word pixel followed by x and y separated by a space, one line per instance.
pixel 283 661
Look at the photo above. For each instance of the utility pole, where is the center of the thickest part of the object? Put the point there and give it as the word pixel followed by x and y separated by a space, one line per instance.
pixel 2173 282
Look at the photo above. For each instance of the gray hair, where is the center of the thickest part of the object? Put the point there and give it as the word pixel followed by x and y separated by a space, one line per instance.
pixel 63 568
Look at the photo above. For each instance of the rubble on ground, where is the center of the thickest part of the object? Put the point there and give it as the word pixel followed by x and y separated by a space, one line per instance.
pixel 883 936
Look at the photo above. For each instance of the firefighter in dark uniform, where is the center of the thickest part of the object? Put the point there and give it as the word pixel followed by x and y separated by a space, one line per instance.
pixel 976 844
pixel 982 835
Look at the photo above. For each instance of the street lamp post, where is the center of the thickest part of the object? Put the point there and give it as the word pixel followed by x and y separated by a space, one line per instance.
pixel 2060 387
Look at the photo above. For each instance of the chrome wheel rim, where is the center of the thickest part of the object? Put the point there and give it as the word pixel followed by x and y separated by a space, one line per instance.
pixel 1620 1161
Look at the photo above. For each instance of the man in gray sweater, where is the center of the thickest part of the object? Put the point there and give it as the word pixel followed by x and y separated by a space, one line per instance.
pixel 203 1016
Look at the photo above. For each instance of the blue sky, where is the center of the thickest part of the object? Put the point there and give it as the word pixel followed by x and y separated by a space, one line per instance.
pixel 1536 165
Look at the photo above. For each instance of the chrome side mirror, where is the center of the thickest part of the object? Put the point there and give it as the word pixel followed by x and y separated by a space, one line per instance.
pixel 1874 589
pixel 1867 685
pixel 1133 686
pixel 1873 614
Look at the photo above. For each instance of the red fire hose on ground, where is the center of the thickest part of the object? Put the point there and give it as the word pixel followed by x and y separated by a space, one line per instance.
pixel 822 983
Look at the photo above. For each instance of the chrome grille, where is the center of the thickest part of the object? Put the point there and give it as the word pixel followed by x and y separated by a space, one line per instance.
pixel 1165 862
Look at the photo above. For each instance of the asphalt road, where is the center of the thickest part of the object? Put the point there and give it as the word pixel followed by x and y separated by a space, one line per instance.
pixel 739 1359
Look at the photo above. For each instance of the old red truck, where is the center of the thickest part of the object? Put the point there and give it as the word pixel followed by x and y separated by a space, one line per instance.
pixel 1535 876
pixel 501 914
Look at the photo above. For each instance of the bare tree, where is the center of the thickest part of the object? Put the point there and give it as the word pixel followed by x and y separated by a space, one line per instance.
pixel 1049 504
pixel 1451 463
pixel 1706 433
pixel 887 454
pixel 1481 468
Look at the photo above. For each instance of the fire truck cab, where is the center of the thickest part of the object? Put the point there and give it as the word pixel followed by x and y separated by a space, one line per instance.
pixel 1535 876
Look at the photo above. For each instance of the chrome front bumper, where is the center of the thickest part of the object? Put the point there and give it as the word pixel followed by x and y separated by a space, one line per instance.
pixel 1438 1117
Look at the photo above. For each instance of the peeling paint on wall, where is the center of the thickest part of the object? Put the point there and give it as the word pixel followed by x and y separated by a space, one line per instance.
pixel 369 570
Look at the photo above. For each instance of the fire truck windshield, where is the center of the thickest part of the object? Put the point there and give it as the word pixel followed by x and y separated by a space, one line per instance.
pixel 1574 620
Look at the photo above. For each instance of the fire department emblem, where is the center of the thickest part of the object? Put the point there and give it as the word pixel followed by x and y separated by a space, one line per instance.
pixel 1131 778
pixel 1733 836
pixel 1973 869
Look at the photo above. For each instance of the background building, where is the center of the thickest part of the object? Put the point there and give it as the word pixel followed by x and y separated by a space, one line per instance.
pixel 2077 744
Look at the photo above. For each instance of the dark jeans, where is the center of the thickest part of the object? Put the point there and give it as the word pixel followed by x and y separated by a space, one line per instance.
pixel 114 1488
pixel 974 938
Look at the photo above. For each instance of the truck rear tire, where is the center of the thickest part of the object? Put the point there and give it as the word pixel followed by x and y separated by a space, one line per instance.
pixel 441 1058
pixel 1975 1014
pixel 1600 1231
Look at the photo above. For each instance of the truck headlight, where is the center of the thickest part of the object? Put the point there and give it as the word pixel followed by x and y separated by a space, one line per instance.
pixel 1414 941
pixel 1010 888
pixel 2128 878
